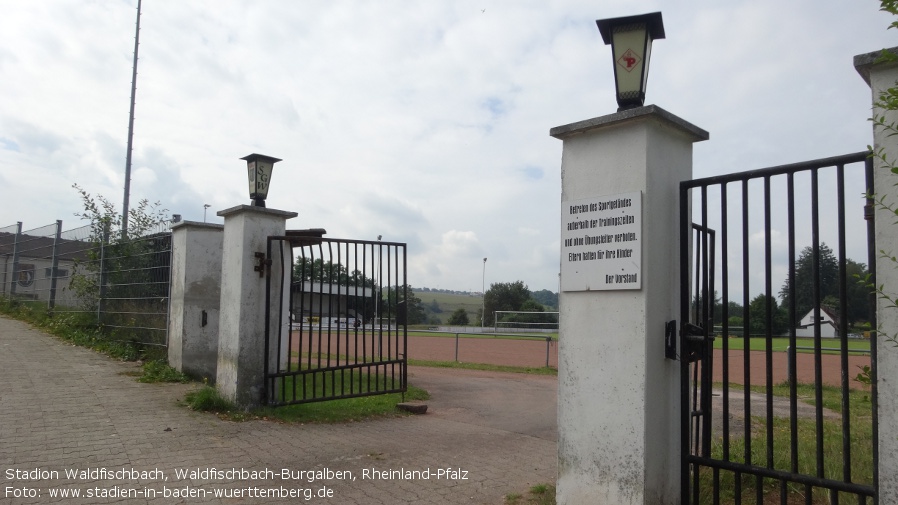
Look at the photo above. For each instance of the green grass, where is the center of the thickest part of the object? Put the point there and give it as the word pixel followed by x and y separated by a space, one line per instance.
pixel 208 399
pixel 159 371
pixel 317 385
pixel 540 494
pixel 861 444
pixel 346 410
pixel 780 344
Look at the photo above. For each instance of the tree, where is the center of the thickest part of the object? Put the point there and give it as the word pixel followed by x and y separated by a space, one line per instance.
pixel 459 317
pixel 121 261
pixel 328 272
pixel 546 297
pixel 504 296
pixel 757 309
pixel 858 293
pixel 698 305
pixel 734 309
pixel 124 275
pixel 857 299
pixel 537 315
pixel 402 302
pixel 828 268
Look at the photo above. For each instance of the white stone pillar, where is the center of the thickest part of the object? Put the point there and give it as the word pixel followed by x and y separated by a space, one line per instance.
pixel 195 293
pixel 241 340
pixel 881 76
pixel 618 398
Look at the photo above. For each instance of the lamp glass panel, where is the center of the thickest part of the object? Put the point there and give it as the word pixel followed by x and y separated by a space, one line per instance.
pixel 645 64
pixel 263 178
pixel 629 44
pixel 251 175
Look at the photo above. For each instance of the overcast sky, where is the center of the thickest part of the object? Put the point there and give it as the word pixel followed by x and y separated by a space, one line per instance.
pixel 425 122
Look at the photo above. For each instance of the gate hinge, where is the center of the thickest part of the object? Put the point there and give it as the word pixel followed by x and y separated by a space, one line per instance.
pixel 263 262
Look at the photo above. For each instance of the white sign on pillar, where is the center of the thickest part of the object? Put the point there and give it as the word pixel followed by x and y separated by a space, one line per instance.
pixel 601 243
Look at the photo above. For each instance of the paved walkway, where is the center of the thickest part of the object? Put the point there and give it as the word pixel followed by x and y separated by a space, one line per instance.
pixel 66 408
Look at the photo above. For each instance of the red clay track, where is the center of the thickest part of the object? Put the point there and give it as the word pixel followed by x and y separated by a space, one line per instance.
pixel 830 368
pixel 531 352
pixel 525 352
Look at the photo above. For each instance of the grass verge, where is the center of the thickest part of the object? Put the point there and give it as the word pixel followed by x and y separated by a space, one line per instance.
pixel 80 329
pixel 780 344
pixel 159 371
pixel 780 454
pixel 208 399
pixel 540 494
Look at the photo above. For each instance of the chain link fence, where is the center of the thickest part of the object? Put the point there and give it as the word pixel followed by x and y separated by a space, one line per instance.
pixel 120 284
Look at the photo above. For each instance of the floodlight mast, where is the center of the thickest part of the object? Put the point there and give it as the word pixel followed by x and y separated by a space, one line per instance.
pixel 130 130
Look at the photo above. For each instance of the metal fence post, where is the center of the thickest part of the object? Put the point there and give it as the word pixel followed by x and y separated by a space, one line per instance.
pixel 790 354
pixel 456 347
pixel 15 260
pixel 102 273
pixel 54 266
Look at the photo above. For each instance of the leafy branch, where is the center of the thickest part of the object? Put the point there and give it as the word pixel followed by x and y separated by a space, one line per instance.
pixel 886 102
pixel 113 260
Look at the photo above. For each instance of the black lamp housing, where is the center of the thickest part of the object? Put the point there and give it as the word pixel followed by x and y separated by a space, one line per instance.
pixel 631 47
pixel 258 170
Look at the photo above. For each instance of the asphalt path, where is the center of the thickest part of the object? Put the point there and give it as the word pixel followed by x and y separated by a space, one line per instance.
pixel 518 403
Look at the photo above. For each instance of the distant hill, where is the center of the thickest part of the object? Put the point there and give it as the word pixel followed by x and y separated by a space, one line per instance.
pixel 440 304
pixel 418 291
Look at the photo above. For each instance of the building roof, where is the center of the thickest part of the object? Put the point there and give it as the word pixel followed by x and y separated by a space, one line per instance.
pixel 332 289
pixel 34 247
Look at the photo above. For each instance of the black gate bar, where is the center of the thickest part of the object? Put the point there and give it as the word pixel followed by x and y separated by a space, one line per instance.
pixel 697 315
pixel 345 333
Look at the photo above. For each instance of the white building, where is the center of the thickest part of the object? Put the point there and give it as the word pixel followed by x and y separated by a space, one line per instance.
pixel 829 324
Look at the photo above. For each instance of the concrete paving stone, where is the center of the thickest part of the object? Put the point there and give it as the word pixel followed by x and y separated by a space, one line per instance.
pixel 72 408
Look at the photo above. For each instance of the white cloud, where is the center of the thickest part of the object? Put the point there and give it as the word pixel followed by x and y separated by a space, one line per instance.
pixel 403 119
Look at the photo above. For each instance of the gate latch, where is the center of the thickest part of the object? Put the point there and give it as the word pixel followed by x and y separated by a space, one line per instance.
pixel 262 263
pixel 670 339
pixel 696 341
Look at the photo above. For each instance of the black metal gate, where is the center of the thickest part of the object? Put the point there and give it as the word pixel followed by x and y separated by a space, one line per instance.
pixel 763 424
pixel 335 318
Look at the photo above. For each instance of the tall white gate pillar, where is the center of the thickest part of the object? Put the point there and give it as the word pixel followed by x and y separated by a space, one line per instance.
pixel 195 295
pixel 881 76
pixel 241 337
pixel 618 406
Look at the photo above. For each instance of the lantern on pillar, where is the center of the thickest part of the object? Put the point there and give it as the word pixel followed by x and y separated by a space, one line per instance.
pixel 258 170
pixel 631 46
